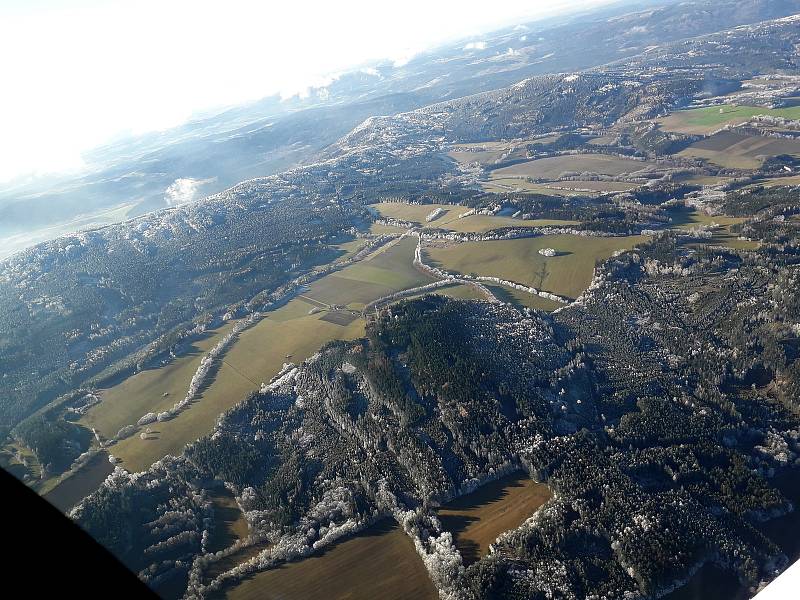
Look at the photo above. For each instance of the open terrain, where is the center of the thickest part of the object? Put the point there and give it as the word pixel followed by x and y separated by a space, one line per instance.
pixel 384 272
pixel 708 119
pixel 377 563
pixel 478 518
pixel 740 151
pixel 566 274
pixel 556 167
pixel 289 334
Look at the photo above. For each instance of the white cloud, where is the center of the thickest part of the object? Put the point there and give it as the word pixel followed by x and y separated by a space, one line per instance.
pixel 475 46
pixel 183 190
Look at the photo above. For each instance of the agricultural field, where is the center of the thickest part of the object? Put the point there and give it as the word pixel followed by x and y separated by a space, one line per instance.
pixel 739 151
pixel 522 299
pixel 475 520
pixel 499 185
pixel 686 218
pixel 231 525
pixel 603 140
pixel 554 167
pixel 289 334
pixel 697 179
pixel 470 224
pixel 490 153
pixel 483 223
pixel 566 274
pixel 416 213
pixel 379 229
pixel 387 271
pixel 80 484
pixel 380 562
pixel 145 391
pixel 781 181
pixel 485 153
pixel 462 292
pixel 702 121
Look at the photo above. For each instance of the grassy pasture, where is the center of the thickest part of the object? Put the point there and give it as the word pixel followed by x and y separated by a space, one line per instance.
pixel 476 519
pixel 230 522
pixel 490 153
pixel 289 333
pixel 383 273
pixel 738 151
pixel 450 221
pixel 687 218
pixel 80 484
pixel 500 185
pixel 781 181
pixel 594 186
pixel 560 188
pixel 483 223
pixel 257 356
pixel 705 120
pixel 521 299
pixel 144 392
pixel 566 274
pixel 416 213
pixel 378 229
pixel 552 168
pixel 378 563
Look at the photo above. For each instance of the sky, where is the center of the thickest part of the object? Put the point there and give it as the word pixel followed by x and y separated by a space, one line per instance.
pixel 76 73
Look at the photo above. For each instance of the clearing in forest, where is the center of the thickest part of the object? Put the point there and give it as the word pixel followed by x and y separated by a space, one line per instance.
pixel 476 519
pixel 380 562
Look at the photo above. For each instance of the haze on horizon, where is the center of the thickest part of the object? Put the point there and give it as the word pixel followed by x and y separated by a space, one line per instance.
pixel 86 71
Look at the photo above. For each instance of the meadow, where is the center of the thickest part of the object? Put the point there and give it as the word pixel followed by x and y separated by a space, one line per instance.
pixel 708 119
pixel 475 520
pixel 127 401
pixel 388 270
pixel 80 484
pixel 416 213
pixel 553 168
pixel 451 221
pixel 566 274
pixel 378 563
pixel 739 151
pixel 687 218
pixel 289 334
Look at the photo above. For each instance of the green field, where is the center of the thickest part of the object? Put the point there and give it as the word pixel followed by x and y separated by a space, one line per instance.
pixel 379 563
pixel 740 151
pixel 522 299
pixel 478 518
pixel 567 274
pixel 288 334
pixel 708 119
pixel 490 153
pixel 416 213
pixel 483 223
pixel 387 271
pixel 552 168
pixel 451 222
pixel 781 181
pixel 229 522
pixel 81 483
pixel 499 185
pixel 144 392
pixel 257 356
pixel 687 218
